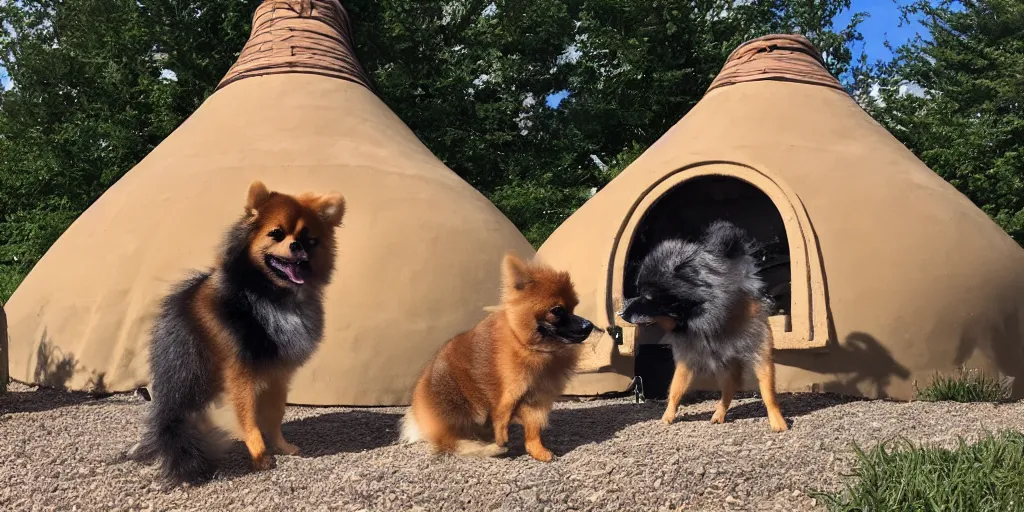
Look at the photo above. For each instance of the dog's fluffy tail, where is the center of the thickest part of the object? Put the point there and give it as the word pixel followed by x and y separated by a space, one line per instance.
pixel 472 448
pixel 186 452
pixel 411 432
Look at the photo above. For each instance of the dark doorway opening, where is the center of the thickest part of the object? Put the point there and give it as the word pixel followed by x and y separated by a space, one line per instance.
pixel 684 212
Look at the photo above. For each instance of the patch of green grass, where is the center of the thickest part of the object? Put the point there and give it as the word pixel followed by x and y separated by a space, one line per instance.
pixel 900 476
pixel 965 386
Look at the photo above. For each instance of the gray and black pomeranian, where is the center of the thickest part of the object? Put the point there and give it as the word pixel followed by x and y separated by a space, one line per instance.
pixel 709 299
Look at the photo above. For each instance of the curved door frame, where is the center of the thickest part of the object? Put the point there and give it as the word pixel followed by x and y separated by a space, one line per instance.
pixel 806 326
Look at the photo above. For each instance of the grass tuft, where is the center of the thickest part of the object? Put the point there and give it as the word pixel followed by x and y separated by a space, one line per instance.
pixel 966 386
pixel 897 475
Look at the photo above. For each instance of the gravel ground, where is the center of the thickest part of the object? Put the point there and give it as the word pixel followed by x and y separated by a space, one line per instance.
pixel 62 451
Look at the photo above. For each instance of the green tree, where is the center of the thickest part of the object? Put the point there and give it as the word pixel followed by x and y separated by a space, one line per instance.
pixel 94 92
pixel 470 78
pixel 957 100
pixel 84 100
pixel 98 83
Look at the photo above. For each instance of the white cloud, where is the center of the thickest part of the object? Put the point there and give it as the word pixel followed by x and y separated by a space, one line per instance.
pixel 523 119
pixel 904 89
pixel 571 54
pixel 490 10
pixel 166 74
pixel 481 80
pixel 912 89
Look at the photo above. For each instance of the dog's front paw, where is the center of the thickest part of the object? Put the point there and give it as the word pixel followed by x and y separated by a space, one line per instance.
pixel 501 440
pixel 778 425
pixel 718 417
pixel 668 418
pixel 540 453
pixel 262 462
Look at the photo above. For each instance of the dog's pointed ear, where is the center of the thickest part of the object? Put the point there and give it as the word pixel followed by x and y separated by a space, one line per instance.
pixel 515 274
pixel 331 209
pixel 726 239
pixel 257 197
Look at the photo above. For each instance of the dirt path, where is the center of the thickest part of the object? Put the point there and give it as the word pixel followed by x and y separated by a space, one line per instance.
pixel 60 450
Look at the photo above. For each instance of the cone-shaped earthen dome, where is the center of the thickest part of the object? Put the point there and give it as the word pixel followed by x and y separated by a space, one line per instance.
pixel 4 377
pixel 883 273
pixel 418 256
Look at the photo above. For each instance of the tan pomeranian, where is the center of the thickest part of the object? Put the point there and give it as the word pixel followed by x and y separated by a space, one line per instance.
pixel 511 367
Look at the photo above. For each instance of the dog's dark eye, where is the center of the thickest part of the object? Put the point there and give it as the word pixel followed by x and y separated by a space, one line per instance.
pixel 277 234
pixel 557 311
pixel 311 242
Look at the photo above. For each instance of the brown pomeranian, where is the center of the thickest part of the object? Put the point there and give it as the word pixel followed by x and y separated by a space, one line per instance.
pixel 510 367
pixel 242 329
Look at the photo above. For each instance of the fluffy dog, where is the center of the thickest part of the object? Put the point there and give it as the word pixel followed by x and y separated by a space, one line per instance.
pixel 510 367
pixel 242 328
pixel 709 299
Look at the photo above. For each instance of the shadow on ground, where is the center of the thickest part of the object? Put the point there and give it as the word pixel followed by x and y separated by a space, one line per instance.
pixel 793 405
pixel 571 428
pixel 43 399
pixel 322 435
pixel 337 432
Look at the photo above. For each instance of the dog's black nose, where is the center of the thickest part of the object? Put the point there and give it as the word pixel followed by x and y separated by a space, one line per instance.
pixel 295 246
pixel 585 324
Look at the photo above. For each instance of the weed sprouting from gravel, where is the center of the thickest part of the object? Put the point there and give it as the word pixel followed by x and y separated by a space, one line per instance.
pixel 899 475
pixel 965 386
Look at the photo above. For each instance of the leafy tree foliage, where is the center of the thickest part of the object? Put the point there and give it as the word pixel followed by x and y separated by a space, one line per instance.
pixel 967 121
pixel 99 83
pixel 90 100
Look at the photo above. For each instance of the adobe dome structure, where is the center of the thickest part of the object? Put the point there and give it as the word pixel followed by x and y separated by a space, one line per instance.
pixel 3 350
pixel 418 255
pixel 883 273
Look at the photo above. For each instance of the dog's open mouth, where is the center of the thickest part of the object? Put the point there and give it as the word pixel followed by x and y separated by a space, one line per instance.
pixel 288 269
pixel 635 319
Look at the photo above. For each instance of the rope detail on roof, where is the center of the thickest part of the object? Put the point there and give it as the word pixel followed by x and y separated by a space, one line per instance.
pixel 299 36
pixel 783 57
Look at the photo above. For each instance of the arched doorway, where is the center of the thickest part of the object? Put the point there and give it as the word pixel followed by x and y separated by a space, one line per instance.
pixel 689 207
pixel 686 201
pixel 684 212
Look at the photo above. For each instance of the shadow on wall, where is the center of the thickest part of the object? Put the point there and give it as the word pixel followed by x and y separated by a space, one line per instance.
pixel 865 362
pixel 1004 348
pixel 54 369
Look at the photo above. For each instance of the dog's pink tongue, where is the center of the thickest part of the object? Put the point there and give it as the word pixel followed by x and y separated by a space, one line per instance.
pixel 292 271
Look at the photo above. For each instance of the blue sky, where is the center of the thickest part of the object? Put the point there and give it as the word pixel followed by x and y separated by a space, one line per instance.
pixel 882 23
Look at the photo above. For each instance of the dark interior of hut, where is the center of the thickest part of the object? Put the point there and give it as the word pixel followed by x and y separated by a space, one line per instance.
pixel 684 212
